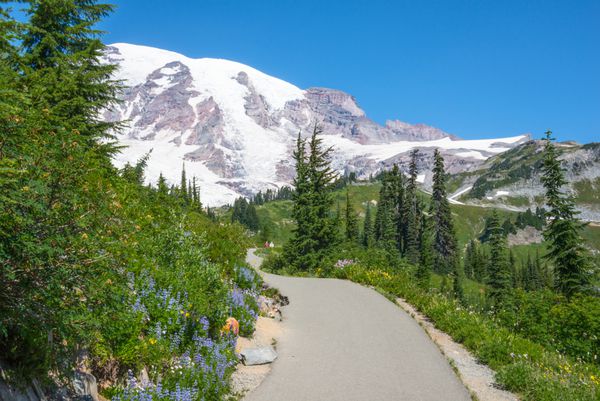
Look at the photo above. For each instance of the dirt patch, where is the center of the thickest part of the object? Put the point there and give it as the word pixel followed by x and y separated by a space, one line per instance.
pixel 247 378
pixel 526 236
pixel 478 378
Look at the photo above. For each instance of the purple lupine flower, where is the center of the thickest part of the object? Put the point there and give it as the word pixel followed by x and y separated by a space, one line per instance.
pixel 237 297
pixel 204 323
pixel 158 331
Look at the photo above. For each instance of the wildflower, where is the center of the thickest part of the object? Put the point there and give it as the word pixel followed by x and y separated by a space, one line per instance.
pixel 231 326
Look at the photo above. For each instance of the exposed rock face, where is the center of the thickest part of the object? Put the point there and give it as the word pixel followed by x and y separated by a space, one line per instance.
pixel 417 132
pixel 256 105
pixel 513 179
pixel 235 127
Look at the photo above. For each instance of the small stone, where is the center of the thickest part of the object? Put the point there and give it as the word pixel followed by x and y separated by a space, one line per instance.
pixel 85 386
pixel 258 356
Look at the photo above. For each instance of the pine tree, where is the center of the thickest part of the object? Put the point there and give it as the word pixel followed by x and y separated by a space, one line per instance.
pixel 396 201
pixel 316 231
pixel 458 282
pixel 196 195
pixel 352 233
pixel 56 181
pixel 499 278
pixel 425 265
pixel 321 178
pixel 368 231
pixel 338 214
pixel 512 265
pixel 252 221
pixel 385 223
pixel 563 232
pixel 445 246
pixel 183 185
pixel 163 188
pixel 411 212
pixel 469 260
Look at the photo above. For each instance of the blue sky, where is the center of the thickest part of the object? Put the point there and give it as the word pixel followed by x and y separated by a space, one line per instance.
pixel 473 68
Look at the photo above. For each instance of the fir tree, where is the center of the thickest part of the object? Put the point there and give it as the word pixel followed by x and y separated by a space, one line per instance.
pixel 444 245
pixel 163 188
pixel 563 232
pixel 411 212
pixel 458 282
pixel 499 278
pixel 368 231
pixel 385 223
pixel 395 202
pixel 252 221
pixel 425 265
pixel 352 233
pixel 183 185
pixel 316 231
pixel 321 177
pixel 56 182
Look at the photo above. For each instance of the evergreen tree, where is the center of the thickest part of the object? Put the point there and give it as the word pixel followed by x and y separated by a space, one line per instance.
pixel 458 282
pixel 163 188
pixel 411 212
pixel 512 264
pixel 352 233
pixel 469 260
pixel 183 185
pixel 316 231
pixel 385 225
pixel 445 246
pixel 321 177
pixel 338 214
pixel 396 201
pixel 499 278
pixel 368 230
pixel 475 262
pixel 252 221
pixel 425 265
pixel 563 232
pixel 196 195
pixel 56 182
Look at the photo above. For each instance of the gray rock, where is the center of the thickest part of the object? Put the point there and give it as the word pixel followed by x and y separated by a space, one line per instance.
pixel 85 386
pixel 29 392
pixel 258 356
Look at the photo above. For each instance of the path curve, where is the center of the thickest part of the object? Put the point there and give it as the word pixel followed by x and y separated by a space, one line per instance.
pixel 345 342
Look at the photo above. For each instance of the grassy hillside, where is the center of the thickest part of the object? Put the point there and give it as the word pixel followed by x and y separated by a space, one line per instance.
pixel 512 177
pixel 469 220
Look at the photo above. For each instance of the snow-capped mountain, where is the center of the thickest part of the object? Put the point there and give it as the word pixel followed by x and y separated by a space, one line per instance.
pixel 234 127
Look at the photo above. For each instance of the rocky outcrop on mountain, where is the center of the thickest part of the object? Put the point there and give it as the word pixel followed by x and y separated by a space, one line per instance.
pixel 513 178
pixel 417 132
pixel 256 105
pixel 235 127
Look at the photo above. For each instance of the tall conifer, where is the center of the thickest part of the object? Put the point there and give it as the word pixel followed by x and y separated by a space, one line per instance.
pixel 445 246
pixel 499 278
pixel 563 231
pixel 368 233
pixel 352 233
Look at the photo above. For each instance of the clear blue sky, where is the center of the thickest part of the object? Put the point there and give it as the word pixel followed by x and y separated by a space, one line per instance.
pixel 472 68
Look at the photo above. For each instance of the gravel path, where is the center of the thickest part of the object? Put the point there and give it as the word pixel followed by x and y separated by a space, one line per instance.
pixel 342 341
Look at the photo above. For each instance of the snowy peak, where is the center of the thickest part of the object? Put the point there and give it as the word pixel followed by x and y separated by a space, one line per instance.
pixel 234 127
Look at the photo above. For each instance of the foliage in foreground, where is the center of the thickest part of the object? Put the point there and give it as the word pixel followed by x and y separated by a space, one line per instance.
pixel 98 269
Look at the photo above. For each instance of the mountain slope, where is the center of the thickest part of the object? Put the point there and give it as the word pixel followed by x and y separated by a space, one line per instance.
pixel 234 127
pixel 512 179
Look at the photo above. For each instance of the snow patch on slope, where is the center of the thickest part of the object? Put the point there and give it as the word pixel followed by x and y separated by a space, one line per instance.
pixel 381 152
